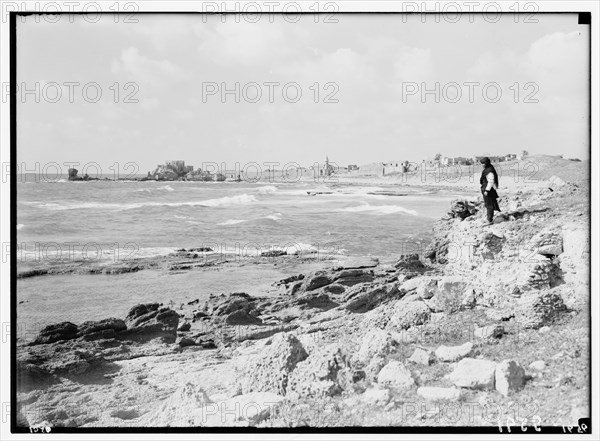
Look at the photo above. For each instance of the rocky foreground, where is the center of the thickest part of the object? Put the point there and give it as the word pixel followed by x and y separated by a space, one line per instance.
pixel 489 327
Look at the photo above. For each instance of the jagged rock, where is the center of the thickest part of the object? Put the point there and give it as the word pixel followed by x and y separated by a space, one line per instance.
pixel 425 287
pixel 57 332
pixel 395 374
pixel 407 314
pixel 117 325
pixel 462 209
pixel 439 393
pixel 234 302
pixel 150 320
pixel 538 365
pixel 538 308
pixel 317 300
pixel 510 376
pixel 410 263
pixel 422 356
pixel 186 326
pixel 547 242
pixel 316 280
pixel 323 373
pixel 374 367
pixel 186 341
pixel 366 297
pixel 269 371
pixel 474 374
pixel 351 277
pixel 490 246
pixel 453 353
pixel 450 294
pixel 376 396
pixel 242 317
pixel 375 342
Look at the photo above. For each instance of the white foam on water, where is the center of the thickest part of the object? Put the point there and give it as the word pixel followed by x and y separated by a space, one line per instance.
pixel 267 189
pixel 232 221
pixel 379 209
pixel 219 202
pixel 275 217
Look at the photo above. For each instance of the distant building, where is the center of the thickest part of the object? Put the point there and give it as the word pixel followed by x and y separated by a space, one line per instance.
pixel 327 169
pixel 493 159
pixel 352 167
pixel 510 157
pixel 455 160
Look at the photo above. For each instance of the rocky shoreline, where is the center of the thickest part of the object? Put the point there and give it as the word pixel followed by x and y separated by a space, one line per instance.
pixel 363 342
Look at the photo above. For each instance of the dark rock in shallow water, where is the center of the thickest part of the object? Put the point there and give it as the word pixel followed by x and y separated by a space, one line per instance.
pixel 273 253
pixel 57 332
pixel 358 263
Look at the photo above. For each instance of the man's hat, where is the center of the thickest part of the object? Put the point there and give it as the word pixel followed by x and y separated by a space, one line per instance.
pixel 485 160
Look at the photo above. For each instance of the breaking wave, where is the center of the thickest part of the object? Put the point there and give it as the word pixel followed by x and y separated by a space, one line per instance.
pixel 267 189
pixel 218 202
pixel 379 209
pixel 232 222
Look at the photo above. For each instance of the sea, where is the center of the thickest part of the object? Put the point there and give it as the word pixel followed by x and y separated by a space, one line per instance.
pixel 119 220
pixel 140 219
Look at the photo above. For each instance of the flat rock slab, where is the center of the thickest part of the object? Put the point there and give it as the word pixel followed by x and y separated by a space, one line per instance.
pixel 474 374
pixel 453 353
pixel 439 393
pixel 422 356
pixel 395 374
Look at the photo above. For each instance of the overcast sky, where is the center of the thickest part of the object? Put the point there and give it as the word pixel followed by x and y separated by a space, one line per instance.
pixel 372 59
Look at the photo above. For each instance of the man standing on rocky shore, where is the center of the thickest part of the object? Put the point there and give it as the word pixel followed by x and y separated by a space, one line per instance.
pixel 489 183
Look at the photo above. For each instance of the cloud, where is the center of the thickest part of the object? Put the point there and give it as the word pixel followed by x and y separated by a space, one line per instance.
pixel 146 71
pixel 559 61
pixel 241 43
